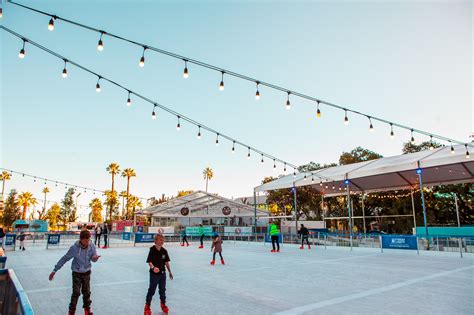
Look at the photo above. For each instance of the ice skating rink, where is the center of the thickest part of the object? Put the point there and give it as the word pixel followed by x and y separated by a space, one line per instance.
pixel 255 281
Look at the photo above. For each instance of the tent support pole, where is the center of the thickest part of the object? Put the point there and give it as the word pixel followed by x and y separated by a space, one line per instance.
pixel 424 209
pixel 322 210
pixel 363 213
pixel 414 220
pixel 349 211
pixel 255 211
pixel 459 223
pixel 294 206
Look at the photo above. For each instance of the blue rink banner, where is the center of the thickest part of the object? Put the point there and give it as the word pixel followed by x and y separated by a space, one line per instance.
pixel 10 239
pixel 144 237
pixel 126 236
pixel 54 239
pixel 399 241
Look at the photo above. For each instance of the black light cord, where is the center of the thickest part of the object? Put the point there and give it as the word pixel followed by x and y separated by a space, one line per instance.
pixel 243 77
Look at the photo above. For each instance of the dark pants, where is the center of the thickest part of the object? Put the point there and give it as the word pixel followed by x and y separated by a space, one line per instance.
pixel 97 239
pixel 106 240
pixel 214 255
pixel 156 279
pixel 80 282
pixel 201 240
pixel 184 239
pixel 275 240
pixel 304 237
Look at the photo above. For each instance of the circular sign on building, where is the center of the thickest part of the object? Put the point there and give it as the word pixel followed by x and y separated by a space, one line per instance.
pixel 238 231
pixel 226 210
pixel 185 211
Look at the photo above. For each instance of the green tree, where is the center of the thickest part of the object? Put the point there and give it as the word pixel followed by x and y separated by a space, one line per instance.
pixel 67 207
pixel 358 154
pixel 409 147
pixel 128 173
pixel 12 210
pixel 53 216
pixel 96 207
pixel 112 203
pixel 133 203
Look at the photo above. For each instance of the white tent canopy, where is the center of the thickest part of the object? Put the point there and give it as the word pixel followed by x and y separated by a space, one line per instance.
pixel 198 203
pixel 439 167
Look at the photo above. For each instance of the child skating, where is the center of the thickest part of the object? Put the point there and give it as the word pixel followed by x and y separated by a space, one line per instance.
pixel 157 260
pixel 81 253
pixel 21 238
pixel 217 248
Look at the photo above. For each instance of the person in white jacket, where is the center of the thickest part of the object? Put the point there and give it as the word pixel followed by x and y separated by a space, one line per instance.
pixel 81 253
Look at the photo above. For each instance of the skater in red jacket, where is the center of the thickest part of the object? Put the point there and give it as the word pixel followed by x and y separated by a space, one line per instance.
pixel 217 247
pixel 157 260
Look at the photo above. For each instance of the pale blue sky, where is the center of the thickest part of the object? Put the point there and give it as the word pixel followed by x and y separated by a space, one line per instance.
pixel 409 62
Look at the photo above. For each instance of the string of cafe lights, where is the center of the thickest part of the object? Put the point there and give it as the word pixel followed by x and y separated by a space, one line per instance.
pixel 258 83
pixel 56 183
pixel 180 117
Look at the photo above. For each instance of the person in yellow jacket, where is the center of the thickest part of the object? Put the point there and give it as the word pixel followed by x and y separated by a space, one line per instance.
pixel 274 235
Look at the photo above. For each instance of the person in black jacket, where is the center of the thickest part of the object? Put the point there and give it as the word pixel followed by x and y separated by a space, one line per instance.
pixel 304 236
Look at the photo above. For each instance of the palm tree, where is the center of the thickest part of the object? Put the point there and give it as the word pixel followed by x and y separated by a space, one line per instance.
pixel 45 192
pixel 208 174
pixel 123 194
pixel 133 203
pixel 26 199
pixel 4 177
pixel 113 169
pixel 96 206
pixel 129 173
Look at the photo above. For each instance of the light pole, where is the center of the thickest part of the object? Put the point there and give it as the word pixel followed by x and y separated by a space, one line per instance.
pixel 75 211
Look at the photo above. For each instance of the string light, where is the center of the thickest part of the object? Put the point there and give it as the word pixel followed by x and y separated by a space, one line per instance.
pixel 321 183
pixel 185 72
pixel 346 119
pixel 392 135
pixel 22 52
pixel 153 114
pixel 64 74
pixel 100 44
pixel 288 104
pixel 248 154
pixel 312 177
pixel 129 101
pixel 199 133
pixel 431 143
pixel 467 151
pixel 97 86
pixel 371 127
pixel 318 112
pixel 205 65
pixel 221 85
pixel 304 178
pixel 412 140
pixel 294 173
pixel 274 164
pixel 178 125
pixel 284 168
pixel 51 24
pixel 262 159
pixel 233 146
pixel 217 140
pixel 452 148
pixel 257 93
pixel 142 59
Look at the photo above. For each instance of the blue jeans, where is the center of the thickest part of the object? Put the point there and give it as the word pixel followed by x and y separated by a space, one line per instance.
pixel 156 279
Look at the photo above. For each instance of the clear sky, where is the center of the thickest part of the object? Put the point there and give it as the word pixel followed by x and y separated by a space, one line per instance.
pixel 405 61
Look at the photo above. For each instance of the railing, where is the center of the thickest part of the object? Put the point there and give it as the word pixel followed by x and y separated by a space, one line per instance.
pixel 13 299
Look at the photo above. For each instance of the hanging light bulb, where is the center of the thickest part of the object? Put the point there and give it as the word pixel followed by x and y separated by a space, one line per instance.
pixel 262 159
pixel 221 85
pixel 185 71
pixel 312 177
pixel 65 70
pixel 294 173
pixel 129 101
pixel 100 44
pixel 22 52
pixel 1 13
pixel 321 183
pixel 371 127
pixel 97 86
pixel 257 93
pixel 217 140
pixel 274 164
pixel 153 114
pixel 304 178
pixel 233 146
pixel 178 125
pixel 288 104
pixel 392 135
pixel 142 59
pixel 318 112
pixel 199 133
pixel 248 154
pixel 452 148
pixel 412 140
pixel 284 168
pixel 51 24
pixel 467 151
pixel 346 119
pixel 431 143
